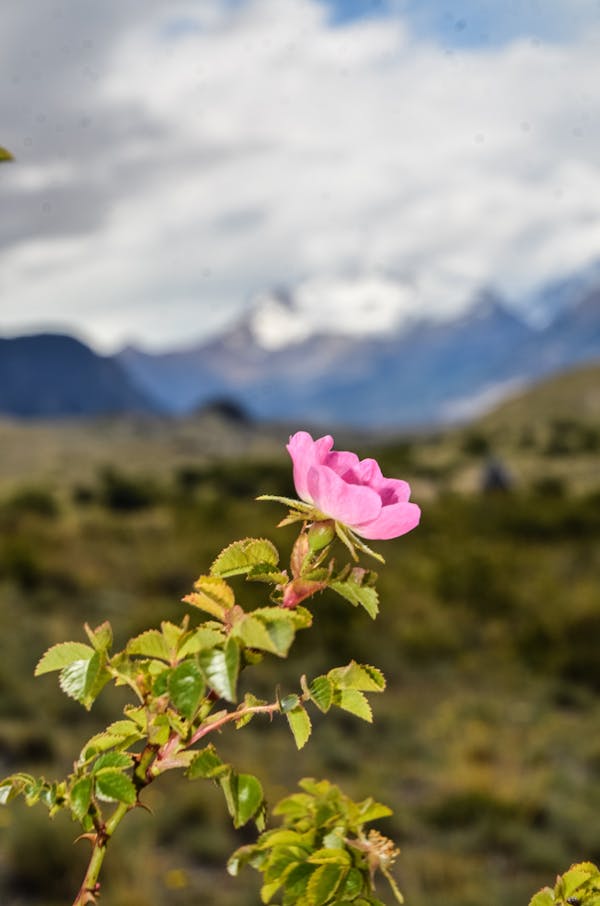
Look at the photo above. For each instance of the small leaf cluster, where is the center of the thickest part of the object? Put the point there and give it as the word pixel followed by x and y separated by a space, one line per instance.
pixel 579 886
pixel 321 855
pixel 343 687
pixel 185 679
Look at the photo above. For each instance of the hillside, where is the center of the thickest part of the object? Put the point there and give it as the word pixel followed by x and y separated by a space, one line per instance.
pixel 558 414
pixel 53 376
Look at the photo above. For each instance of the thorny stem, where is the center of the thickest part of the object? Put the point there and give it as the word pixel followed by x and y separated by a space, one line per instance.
pixel 89 890
pixel 90 887
pixel 233 715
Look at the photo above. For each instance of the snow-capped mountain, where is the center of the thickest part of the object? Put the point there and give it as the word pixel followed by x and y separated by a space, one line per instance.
pixel 303 356
pixel 334 352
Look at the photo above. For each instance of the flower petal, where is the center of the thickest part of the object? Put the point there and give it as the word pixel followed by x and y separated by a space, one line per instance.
pixel 306 452
pixel 346 465
pixel 349 503
pixel 393 521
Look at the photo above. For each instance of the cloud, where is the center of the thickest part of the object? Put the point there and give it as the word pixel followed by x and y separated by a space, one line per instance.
pixel 174 164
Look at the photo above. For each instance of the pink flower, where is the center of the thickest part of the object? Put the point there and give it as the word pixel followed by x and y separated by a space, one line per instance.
pixel 350 490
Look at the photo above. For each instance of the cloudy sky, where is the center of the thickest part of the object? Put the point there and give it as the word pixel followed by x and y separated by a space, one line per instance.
pixel 174 158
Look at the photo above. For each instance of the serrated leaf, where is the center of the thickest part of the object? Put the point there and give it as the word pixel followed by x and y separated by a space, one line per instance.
pixel 242 556
pixel 80 796
pixel 364 595
pixel 369 810
pixel 572 879
pixel 101 637
pixel 296 882
pixel 321 693
pixel 221 668
pixel 200 639
pixel 159 729
pixel 544 897
pixel 150 644
pixel 63 655
pixel 358 676
pixel 264 572
pixel 186 688
pixel 112 760
pixel 248 797
pixel 323 883
pixel 114 786
pixel 355 702
pixel 300 725
pixel 212 595
pixel 281 626
pixel 78 680
pixel 207 764
pixel 353 884
pixel 253 633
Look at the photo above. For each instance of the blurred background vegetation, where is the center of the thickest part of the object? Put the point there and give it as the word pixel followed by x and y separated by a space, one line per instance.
pixel 486 742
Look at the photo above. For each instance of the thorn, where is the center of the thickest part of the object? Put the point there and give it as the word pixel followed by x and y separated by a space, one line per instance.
pixel 91 837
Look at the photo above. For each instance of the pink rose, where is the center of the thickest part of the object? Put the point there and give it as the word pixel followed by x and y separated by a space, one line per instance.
pixel 350 490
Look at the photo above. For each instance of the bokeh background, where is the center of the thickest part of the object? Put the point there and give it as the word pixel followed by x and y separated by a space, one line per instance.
pixel 225 221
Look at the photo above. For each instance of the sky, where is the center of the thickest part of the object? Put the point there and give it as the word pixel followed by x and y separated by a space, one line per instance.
pixel 177 158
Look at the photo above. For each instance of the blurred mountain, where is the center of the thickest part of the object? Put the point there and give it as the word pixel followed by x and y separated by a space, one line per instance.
pixel 284 362
pixel 51 375
pixel 421 372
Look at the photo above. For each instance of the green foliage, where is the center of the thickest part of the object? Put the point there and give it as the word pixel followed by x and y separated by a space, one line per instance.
pixel 322 853
pixel 486 742
pixel 579 886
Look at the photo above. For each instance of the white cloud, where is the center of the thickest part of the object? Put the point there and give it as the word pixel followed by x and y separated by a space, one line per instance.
pixel 213 151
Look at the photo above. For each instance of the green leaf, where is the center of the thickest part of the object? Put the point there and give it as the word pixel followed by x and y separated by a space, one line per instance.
pixel 207 764
pixel 330 855
pixel 200 639
pixel 101 637
pixel 300 725
pixel 212 595
pixel 114 786
pixel 221 668
pixel 79 679
pixel 545 897
pixel 355 702
pixel 358 676
pixel 324 883
pixel 150 644
pixel 253 633
pixel 80 797
pixel 364 595
pixel 63 655
pixel 353 884
pixel 119 733
pixel 573 879
pixel 5 155
pixel 186 688
pixel 112 760
pixel 321 693
pixel 15 785
pixel 369 810
pixel 248 796
pixel 289 702
pixel 242 556
pixel 296 882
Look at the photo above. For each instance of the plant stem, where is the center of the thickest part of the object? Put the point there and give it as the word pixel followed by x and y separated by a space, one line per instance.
pixel 88 892
pixel 233 715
